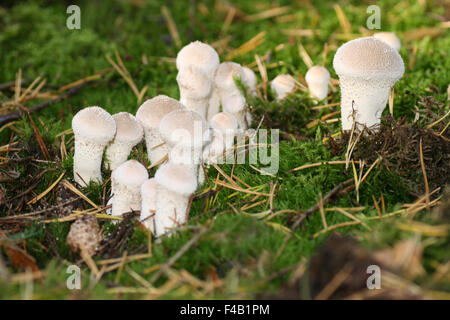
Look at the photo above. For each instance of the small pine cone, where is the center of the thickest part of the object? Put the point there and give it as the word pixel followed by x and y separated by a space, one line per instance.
pixel 84 235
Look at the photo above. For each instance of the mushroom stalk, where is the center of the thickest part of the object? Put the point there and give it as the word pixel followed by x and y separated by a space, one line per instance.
pixel 148 204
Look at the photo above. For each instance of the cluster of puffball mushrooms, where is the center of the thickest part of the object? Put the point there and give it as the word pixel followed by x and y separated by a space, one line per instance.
pixel 182 135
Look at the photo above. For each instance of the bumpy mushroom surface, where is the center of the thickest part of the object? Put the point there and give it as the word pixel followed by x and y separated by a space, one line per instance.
pixel 283 85
pixel 149 115
pixel 126 183
pixel 176 183
pixel 318 78
pixel 200 55
pixel 93 128
pixel 390 38
pixel 128 134
pixel 84 235
pixel 195 89
pixel 367 69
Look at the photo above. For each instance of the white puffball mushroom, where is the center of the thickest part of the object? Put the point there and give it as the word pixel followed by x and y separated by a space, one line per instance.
pixel 129 133
pixel 317 79
pixel 200 55
pixel 224 126
pixel 93 129
pixel 390 38
pixel 367 70
pixel 148 204
pixel 149 116
pixel 126 183
pixel 231 98
pixel 176 183
pixel 249 80
pixel 185 133
pixel 282 85
pixel 204 57
pixel 195 89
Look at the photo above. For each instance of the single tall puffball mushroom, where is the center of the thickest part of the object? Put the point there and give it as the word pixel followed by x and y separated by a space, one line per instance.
pixel 317 78
pixel 126 183
pixel 204 57
pixel 149 115
pixel 283 85
pixel 176 183
pixel 224 126
pixel 195 89
pixel 367 69
pixel 148 204
pixel 249 80
pixel 128 134
pixel 390 38
pixel 231 97
pixel 93 129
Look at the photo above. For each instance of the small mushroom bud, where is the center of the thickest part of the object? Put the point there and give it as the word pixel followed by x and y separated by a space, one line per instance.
pixel 84 235
pixel 224 126
pixel 390 38
pixel 318 78
pixel 128 134
pixel 148 206
pixel 195 89
pixel 367 70
pixel 282 85
pixel 176 183
pixel 93 129
pixel 149 115
pixel 250 80
pixel 126 183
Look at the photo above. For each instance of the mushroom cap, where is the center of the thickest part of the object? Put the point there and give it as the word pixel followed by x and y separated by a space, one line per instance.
pixel 283 81
pixel 369 59
pixel 226 73
pixel 224 121
pixel 94 124
pixel 177 178
pixel 130 173
pixel 234 103
pixel 249 78
pixel 194 82
pixel 390 38
pixel 129 130
pixel 148 189
pixel 84 235
pixel 198 54
pixel 317 75
pixel 153 110
pixel 184 127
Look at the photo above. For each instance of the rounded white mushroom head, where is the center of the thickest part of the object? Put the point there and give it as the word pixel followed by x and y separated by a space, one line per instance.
pixel 148 189
pixel 317 75
pixel 224 121
pixel 194 82
pixel 369 59
pixel 94 124
pixel 153 110
pixel 184 128
pixel 198 54
pixel 234 103
pixel 283 82
pixel 390 38
pixel 129 130
pixel 226 73
pixel 130 173
pixel 177 178
pixel 249 78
